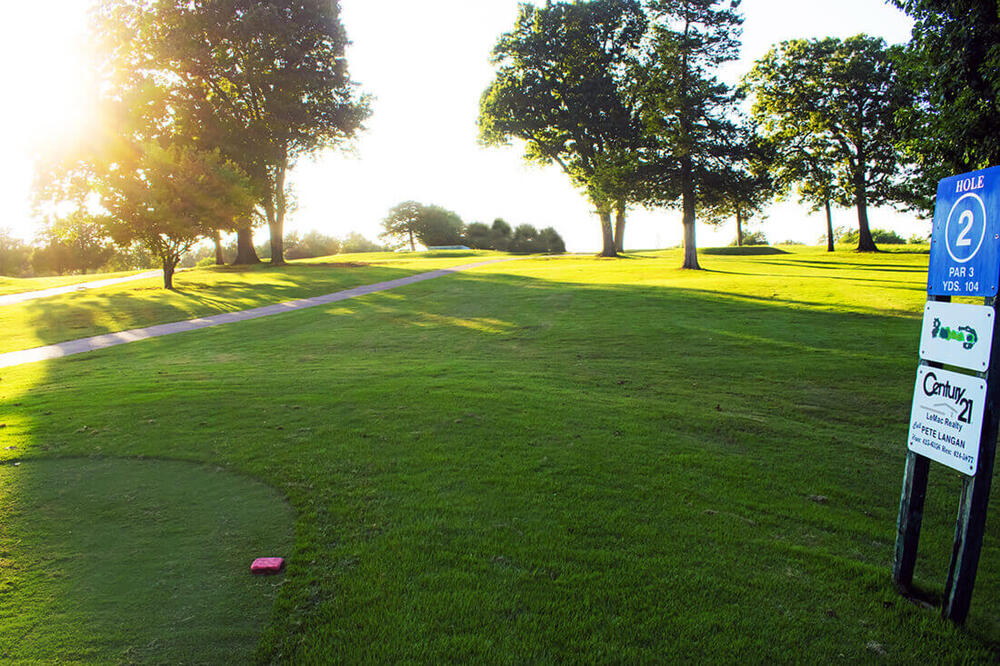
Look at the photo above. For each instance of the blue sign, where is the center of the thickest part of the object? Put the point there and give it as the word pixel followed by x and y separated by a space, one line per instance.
pixel 965 240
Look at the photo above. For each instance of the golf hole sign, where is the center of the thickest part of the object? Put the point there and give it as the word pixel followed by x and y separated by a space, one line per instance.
pixel 947 418
pixel 965 239
pixel 950 420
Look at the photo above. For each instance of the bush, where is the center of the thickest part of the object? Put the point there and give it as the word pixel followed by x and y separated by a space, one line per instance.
pixel 437 226
pixel 887 237
pixel 752 238
pixel 502 235
pixel 880 236
pixel 313 244
pixel 551 241
pixel 355 242
pixel 198 254
pixel 524 239
pixel 478 236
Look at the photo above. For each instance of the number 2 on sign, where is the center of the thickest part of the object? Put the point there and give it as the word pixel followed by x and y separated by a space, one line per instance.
pixel 963 236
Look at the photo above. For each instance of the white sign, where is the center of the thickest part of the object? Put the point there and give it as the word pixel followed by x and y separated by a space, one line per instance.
pixel 957 334
pixel 946 420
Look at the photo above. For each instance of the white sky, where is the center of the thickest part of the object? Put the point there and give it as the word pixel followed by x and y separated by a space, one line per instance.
pixel 426 63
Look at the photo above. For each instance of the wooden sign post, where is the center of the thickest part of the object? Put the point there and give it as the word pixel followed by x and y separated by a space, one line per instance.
pixel 956 412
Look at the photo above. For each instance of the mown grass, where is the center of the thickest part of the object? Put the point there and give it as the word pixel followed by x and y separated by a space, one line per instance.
pixel 562 459
pixel 201 292
pixel 12 285
pixel 107 559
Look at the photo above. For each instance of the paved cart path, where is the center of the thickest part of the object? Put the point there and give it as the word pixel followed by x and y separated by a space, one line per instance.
pixel 122 337
pixel 10 299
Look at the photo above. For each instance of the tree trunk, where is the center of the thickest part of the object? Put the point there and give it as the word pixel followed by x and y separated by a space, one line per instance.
pixel 829 227
pixel 217 239
pixel 865 241
pixel 607 233
pixel 620 226
pixel 169 263
pixel 739 227
pixel 245 252
pixel 688 204
pixel 413 245
pixel 276 217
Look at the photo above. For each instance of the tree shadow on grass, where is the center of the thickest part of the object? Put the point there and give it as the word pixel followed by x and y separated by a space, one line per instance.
pixel 69 318
pixel 487 450
pixel 747 250
pixel 834 265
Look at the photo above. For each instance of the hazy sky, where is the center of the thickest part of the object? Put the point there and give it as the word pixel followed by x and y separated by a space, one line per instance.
pixel 426 63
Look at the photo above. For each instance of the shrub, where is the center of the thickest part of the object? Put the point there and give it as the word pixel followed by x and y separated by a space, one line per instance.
pixel 501 235
pixel 753 238
pixel 887 237
pixel 355 242
pixel 551 241
pixel 478 236
pixel 883 236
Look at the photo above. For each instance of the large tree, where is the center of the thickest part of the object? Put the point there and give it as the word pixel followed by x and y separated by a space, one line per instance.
pixel 685 106
pixel 169 198
pixel 410 221
pixel 264 81
pixel 401 224
pixel 954 67
pixel 562 86
pixel 832 104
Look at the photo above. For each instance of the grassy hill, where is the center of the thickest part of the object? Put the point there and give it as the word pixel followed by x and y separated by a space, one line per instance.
pixel 549 459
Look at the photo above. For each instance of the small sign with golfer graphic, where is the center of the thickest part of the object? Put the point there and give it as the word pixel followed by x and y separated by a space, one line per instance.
pixel 957 334
pixel 946 419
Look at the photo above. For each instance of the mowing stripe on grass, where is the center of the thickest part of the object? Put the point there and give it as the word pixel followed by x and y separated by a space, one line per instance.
pixel 10 299
pixel 122 337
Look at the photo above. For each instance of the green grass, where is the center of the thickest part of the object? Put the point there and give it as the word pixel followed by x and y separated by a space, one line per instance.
pixel 556 459
pixel 11 285
pixel 119 560
pixel 201 292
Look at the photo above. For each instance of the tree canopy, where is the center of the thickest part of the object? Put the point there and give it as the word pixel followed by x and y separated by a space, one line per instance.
pixel 410 221
pixel 169 198
pixel 954 68
pixel 561 86
pixel 400 225
pixel 830 107
pixel 744 187
pixel 262 82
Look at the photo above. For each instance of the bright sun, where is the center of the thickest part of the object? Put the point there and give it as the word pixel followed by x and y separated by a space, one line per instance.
pixel 49 77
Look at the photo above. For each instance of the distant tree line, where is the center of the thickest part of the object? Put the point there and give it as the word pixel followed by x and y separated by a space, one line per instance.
pixel 72 246
pixel 81 247
pixel 410 222
pixel 623 97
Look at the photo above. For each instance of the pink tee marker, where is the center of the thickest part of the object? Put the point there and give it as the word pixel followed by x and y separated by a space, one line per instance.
pixel 267 565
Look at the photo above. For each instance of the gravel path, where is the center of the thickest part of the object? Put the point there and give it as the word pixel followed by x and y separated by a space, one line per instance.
pixel 10 299
pixel 122 337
